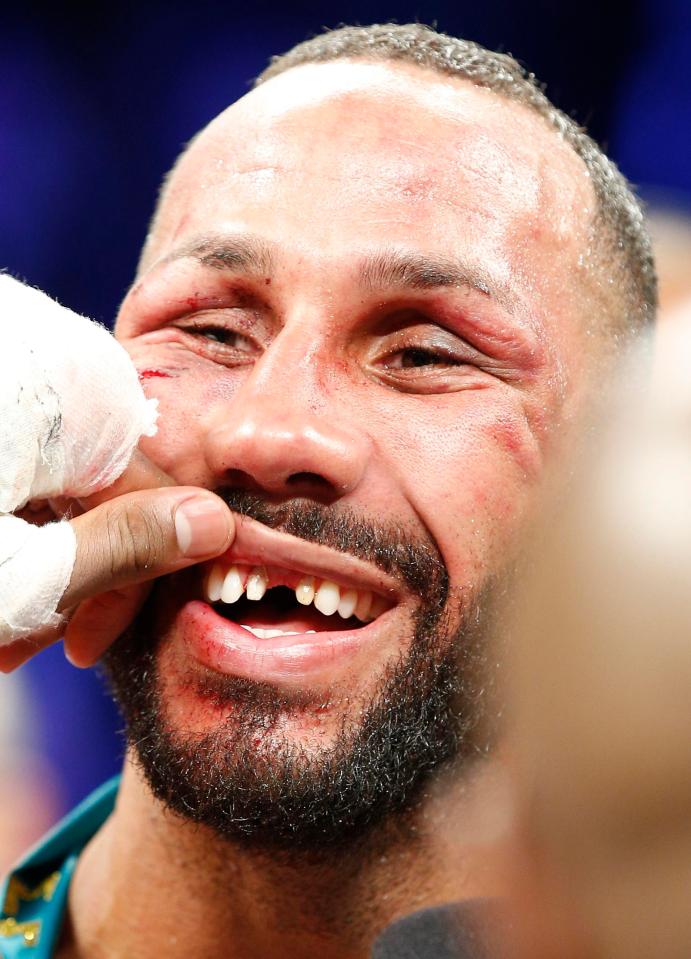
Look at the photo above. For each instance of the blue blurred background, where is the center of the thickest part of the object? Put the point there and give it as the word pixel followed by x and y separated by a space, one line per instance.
pixel 97 100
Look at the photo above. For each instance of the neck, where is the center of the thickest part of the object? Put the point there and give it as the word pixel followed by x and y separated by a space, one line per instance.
pixel 151 883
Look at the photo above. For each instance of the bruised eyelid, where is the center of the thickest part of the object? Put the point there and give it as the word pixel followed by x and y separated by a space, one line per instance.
pixel 166 291
pixel 232 308
pixel 470 314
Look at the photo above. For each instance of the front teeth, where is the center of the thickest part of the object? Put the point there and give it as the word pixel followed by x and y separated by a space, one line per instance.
pixel 257 581
pixel 329 598
pixel 214 584
pixel 232 586
pixel 305 591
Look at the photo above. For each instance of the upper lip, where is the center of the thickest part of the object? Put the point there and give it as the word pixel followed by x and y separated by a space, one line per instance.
pixel 258 545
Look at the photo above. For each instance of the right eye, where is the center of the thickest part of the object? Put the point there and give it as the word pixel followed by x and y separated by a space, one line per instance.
pixel 224 336
pixel 220 342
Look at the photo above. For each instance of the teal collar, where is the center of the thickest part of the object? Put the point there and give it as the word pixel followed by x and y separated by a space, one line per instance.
pixel 33 898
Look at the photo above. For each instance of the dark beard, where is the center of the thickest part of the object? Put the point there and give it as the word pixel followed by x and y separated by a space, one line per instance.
pixel 253 789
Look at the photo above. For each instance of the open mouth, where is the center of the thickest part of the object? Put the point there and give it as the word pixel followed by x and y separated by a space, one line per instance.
pixel 274 601
pixel 280 610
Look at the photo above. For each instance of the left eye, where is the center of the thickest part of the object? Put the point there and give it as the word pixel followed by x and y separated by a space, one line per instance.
pixel 416 357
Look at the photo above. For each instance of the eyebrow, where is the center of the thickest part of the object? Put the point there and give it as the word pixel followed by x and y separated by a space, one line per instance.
pixel 237 252
pixel 418 271
pixel 249 254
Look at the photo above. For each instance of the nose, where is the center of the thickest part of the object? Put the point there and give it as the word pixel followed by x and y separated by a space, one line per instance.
pixel 284 434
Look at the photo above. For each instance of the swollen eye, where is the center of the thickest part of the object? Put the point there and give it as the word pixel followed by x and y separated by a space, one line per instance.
pixel 412 358
pixel 235 341
pixel 415 358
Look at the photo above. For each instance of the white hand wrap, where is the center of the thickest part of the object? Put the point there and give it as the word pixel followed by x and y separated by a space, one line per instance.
pixel 72 411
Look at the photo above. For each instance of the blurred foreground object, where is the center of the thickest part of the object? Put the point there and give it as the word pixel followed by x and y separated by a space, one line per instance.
pixel 29 803
pixel 600 685
pixel 670 231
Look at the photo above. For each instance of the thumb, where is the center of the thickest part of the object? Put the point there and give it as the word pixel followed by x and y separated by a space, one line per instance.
pixel 141 535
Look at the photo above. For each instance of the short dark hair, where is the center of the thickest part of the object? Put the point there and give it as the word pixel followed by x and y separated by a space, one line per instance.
pixel 620 233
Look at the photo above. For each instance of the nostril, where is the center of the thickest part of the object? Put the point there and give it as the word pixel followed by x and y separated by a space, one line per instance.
pixel 299 482
pixel 307 479
pixel 241 480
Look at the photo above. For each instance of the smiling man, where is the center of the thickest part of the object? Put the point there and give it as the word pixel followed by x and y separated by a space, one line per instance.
pixel 376 297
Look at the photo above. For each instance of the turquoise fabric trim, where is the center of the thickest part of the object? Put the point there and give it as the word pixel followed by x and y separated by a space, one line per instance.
pixel 33 897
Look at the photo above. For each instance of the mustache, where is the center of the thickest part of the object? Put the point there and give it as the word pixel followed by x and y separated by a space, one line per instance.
pixel 415 560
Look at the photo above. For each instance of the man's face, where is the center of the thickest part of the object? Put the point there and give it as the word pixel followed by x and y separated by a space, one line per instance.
pixel 362 313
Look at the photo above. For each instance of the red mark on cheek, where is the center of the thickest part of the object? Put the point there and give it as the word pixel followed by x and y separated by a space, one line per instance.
pixel 154 374
pixel 515 438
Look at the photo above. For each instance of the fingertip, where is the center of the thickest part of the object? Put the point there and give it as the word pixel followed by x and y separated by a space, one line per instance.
pixel 80 650
pixel 83 650
pixel 73 658
pixel 204 526
pixel 231 525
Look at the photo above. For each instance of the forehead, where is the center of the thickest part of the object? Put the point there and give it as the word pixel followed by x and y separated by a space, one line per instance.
pixel 349 154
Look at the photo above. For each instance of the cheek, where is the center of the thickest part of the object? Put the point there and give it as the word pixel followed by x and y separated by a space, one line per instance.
pixel 471 476
pixel 176 448
pixel 186 406
pixel 189 391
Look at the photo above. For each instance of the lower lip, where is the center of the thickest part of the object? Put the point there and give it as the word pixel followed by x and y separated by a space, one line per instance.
pixel 227 648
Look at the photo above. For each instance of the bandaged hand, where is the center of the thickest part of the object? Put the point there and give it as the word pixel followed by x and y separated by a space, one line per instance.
pixel 72 413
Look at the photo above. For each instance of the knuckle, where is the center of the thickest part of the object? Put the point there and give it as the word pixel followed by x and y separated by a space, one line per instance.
pixel 135 539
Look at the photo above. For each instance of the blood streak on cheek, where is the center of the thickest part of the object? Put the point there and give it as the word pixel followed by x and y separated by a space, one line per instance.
pixel 154 374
